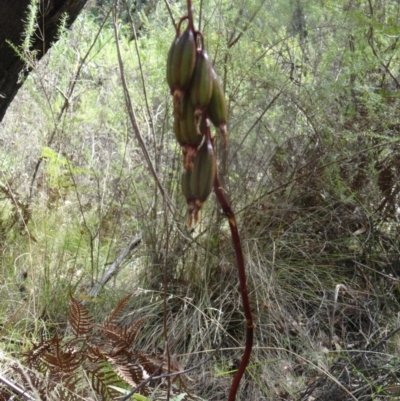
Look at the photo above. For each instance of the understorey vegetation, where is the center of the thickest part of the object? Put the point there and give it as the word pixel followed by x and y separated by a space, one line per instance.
pixel 106 290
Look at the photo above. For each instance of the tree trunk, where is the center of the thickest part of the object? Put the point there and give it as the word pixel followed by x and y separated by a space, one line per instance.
pixel 14 14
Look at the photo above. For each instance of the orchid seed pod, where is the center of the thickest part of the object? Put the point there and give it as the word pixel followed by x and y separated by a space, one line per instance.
pixel 188 126
pixel 185 183
pixel 202 177
pixel 177 131
pixel 189 136
pixel 200 180
pixel 217 111
pixel 192 214
pixel 202 84
pixel 181 61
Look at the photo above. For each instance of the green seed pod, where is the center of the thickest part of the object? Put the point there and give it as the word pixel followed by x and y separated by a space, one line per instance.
pixel 188 127
pixel 177 131
pixel 191 136
pixel 202 82
pixel 201 181
pixel 186 178
pixel 202 177
pixel 181 61
pixel 171 63
pixel 217 111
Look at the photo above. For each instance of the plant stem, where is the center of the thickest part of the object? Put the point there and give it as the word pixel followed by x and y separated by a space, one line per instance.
pixel 190 15
pixel 227 209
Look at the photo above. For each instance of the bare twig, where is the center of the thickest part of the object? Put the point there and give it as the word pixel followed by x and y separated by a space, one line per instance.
pixel 170 14
pixel 390 335
pixel 141 70
pixel 200 13
pixel 259 118
pixel 233 41
pixel 115 267
pixel 370 39
pixel 165 301
pixel 16 390
pixel 132 117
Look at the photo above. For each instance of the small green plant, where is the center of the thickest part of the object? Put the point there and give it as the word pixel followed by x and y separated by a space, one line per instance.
pixel 24 51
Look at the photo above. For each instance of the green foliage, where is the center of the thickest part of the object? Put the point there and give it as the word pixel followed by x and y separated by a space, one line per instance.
pixel 312 89
pixel 24 51
pixel 30 25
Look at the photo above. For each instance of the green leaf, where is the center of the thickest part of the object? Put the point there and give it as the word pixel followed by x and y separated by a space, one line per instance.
pixel 179 397
pixel 137 397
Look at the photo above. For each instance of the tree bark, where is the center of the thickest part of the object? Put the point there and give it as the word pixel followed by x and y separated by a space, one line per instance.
pixel 13 70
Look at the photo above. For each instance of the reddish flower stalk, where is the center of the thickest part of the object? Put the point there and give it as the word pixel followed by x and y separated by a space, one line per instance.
pixel 199 164
pixel 190 14
pixel 227 209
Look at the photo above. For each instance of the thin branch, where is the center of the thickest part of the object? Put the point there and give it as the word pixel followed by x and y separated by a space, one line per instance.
pixel 165 302
pixel 370 40
pixel 115 267
pixel 144 10
pixel 200 13
pixel 16 390
pixel 391 334
pixel 256 122
pixel 232 41
pixel 146 99
pixel 170 14
pixel 132 117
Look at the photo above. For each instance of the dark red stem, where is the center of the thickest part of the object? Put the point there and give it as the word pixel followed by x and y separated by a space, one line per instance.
pixel 178 27
pixel 190 15
pixel 220 192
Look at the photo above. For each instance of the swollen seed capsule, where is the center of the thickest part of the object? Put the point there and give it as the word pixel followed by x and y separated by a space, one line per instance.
pixel 202 83
pixel 202 177
pixel 181 61
pixel 217 111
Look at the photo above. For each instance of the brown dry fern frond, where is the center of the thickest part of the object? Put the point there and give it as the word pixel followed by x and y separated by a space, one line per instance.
pixel 95 360
pixel 79 318
pixel 113 318
pixel 120 337
pixel 62 358
pixel 129 370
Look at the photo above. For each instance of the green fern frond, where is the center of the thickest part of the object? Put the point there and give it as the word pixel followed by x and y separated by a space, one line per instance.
pixel 103 380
